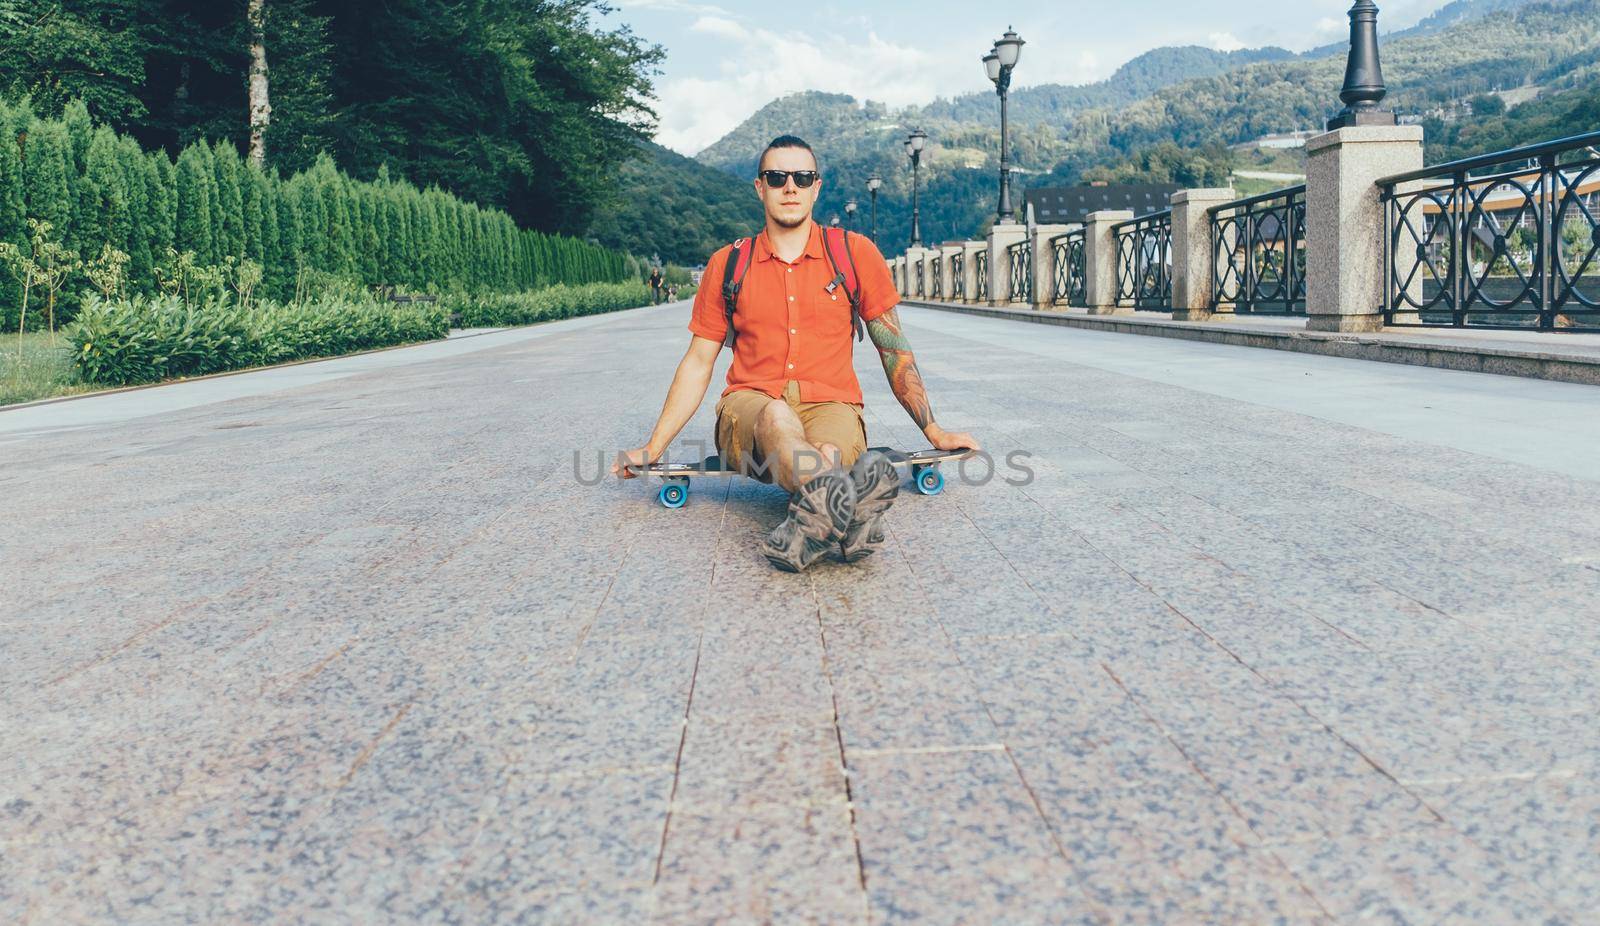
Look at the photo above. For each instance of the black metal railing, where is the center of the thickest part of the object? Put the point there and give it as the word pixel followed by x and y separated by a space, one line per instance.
pixel 1144 261
pixel 936 291
pixel 920 292
pixel 1504 240
pixel 958 280
pixel 1069 278
pixel 1019 271
pixel 1258 253
pixel 980 276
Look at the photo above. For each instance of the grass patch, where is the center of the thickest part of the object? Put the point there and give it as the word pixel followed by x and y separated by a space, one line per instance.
pixel 44 371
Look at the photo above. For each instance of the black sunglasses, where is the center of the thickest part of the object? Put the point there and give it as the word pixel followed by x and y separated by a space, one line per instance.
pixel 779 178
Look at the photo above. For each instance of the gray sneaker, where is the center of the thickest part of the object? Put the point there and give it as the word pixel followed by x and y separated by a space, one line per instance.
pixel 818 514
pixel 877 484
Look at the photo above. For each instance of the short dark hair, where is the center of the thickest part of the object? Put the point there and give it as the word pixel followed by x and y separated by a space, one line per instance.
pixel 785 141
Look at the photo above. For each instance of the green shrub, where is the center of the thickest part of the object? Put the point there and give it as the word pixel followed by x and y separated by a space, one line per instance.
pixel 98 188
pixel 146 340
pixel 499 310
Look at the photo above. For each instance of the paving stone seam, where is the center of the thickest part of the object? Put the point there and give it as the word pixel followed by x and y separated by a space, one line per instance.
pixel 844 760
pixel 1033 798
pixel 677 764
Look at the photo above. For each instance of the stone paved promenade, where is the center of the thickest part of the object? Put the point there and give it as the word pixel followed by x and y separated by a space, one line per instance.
pixel 1268 638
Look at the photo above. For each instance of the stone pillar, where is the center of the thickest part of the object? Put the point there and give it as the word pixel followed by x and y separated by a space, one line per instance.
pixel 1044 264
pixel 1100 261
pixel 947 253
pixel 894 273
pixel 1344 222
pixel 1192 254
pixel 1000 238
pixel 914 258
pixel 969 269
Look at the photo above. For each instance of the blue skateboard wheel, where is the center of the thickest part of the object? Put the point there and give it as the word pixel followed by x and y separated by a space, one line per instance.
pixel 929 481
pixel 673 495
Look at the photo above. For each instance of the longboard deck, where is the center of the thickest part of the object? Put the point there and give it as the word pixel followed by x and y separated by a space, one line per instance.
pixel 712 467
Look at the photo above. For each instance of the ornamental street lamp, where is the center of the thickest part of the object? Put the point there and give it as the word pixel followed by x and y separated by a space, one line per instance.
pixel 997 65
pixel 833 220
pixel 873 182
pixel 1363 74
pixel 914 143
pixel 850 214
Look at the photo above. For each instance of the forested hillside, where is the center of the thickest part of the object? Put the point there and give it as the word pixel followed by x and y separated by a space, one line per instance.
pixel 1180 129
pixel 676 208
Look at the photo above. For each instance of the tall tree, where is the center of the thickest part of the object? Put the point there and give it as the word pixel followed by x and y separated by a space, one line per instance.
pixel 260 105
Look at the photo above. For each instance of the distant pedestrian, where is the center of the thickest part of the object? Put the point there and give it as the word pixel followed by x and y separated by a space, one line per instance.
pixel 655 285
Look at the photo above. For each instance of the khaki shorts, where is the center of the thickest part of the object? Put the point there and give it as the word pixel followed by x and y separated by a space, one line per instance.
pixel 837 423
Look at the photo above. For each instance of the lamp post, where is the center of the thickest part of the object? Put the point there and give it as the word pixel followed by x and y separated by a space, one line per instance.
pixel 850 214
pixel 1363 74
pixel 997 65
pixel 833 220
pixel 873 182
pixel 914 143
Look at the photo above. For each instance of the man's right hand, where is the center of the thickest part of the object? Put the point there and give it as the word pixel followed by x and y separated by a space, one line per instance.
pixel 639 456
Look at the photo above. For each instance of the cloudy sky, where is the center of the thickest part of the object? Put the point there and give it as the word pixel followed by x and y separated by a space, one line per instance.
pixel 726 59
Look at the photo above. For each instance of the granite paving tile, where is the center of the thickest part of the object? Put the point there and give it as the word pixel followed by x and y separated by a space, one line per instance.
pixel 1430 876
pixel 769 864
pixel 955 837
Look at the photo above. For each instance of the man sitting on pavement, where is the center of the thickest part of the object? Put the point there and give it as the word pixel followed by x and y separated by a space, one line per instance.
pixel 792 409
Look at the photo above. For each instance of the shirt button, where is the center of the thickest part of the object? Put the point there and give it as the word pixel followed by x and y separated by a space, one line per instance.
pixel 791 270
pixel 791 298
pixel 792 331
pixel 791 366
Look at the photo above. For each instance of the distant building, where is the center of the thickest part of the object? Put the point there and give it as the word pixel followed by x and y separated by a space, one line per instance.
pixel 1279 141
pixel 1070 204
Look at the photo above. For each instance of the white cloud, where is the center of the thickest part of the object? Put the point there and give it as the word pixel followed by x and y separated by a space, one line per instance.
pixel 1329 27
pixel 760 64
pixel 1225 41
pixel 720 27
pixel 671 6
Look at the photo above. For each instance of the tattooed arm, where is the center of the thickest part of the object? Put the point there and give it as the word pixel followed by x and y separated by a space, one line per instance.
pixel 901 368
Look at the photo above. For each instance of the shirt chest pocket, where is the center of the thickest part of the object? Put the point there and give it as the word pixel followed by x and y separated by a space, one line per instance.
pixel 829 312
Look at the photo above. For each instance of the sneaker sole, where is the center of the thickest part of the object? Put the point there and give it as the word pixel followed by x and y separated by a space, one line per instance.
pixel 821 517
pixel 872 500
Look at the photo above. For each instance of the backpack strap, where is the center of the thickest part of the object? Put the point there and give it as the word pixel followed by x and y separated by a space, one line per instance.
pixel 835 241
pixel 733 280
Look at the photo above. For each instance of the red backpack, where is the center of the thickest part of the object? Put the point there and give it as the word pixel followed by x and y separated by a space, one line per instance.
pixel 835 241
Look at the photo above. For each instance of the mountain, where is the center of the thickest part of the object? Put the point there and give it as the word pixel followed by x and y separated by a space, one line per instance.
pixel 837 116
pixel 1138 78
pixel 1196 100
pixel 1451 14
pixel 675 207
pixel 811 114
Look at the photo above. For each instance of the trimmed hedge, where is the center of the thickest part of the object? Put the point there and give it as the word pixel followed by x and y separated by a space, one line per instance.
pixel 146 340
pixel 97 188
pixel 503 310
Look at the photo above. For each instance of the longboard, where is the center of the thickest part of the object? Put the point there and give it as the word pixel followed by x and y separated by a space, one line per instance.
pixel 674 492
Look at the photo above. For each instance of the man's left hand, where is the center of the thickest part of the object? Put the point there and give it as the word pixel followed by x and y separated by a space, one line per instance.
pixel 950 440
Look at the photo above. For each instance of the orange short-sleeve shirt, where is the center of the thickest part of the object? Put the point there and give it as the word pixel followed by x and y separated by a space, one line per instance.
pixel 789 326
